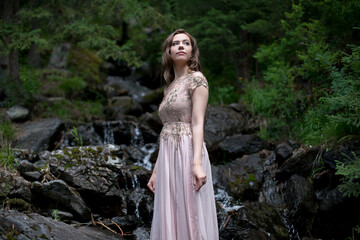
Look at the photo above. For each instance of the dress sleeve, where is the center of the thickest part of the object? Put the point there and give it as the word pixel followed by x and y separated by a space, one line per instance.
pixel 197 80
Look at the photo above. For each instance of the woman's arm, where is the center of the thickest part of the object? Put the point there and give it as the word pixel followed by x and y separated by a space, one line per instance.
pixel 199 99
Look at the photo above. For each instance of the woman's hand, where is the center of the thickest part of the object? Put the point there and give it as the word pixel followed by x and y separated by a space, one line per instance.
pixel 151 183
pixel 199 176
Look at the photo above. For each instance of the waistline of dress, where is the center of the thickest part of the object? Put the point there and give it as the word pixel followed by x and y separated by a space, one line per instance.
pixel 176 129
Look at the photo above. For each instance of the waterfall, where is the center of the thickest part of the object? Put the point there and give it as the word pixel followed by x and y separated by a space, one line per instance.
pixel 108 133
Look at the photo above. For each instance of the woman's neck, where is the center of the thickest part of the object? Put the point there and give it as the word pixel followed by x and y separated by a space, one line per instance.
pixel 180 71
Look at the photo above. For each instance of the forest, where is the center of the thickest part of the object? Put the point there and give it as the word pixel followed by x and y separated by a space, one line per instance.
pixel 294 65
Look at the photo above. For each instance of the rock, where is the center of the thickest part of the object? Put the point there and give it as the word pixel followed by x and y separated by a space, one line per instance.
pixel 300 163
pixel 17 113
pixel 336 216
pixel 153 121
pixel 134 154
pixel 271 191
pixel 148 134
pixel 341 153
pixel 242 177
pixel 18 204
pixel 34 226
pixel 94 172
pixel 300 200
pixel 14 186
pixel 324 179
pixel 32 176
pixel 57 194
pixel 135 90
pixel 114 90
pixel 140 203
pixel 255 221
pixel 221 122
pixel 283 152
pixel 88 135
pixel 151 101
pixel 25 166
pixel 60 215
pixel 133 176
pixel 58 58
pixel 122 105
pixel 25 154
pixel 40 135
pixel 128 223
pixel 237 145
pixel 141 233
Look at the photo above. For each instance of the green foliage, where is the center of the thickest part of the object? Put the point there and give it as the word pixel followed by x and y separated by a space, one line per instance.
pixel 77 137
pixel 82 111
pixel 350 172
pixel 72 86
pixel 30 80
pixel 223 95
pixel 55 215
pixel 337 114
pixel 7 135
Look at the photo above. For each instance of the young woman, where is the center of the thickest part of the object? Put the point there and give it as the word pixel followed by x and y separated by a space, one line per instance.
pixel 184 207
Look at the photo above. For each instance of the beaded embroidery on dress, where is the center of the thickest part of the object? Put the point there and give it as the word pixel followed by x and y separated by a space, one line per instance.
pixel 180 212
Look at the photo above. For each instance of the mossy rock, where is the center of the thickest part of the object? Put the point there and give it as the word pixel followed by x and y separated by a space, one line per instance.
pixel 86 64
pixel 18 204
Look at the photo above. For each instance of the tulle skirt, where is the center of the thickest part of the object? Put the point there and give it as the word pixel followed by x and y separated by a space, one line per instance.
pixel 180 212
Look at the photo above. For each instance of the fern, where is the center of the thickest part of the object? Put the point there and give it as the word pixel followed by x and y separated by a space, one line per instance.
pixel 350 172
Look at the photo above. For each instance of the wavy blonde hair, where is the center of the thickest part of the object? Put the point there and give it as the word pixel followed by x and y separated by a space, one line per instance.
pixel 166 61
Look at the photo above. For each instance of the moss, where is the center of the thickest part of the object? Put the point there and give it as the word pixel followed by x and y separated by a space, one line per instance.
pixel 18 203
pixel 43 236
pixel 92 151
pixel 134 168
pixel 87 64
pixel 251 178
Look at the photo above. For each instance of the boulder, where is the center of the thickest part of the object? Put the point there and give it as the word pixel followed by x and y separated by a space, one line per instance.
pixel 255 221
pixel 40 135
pixel 153 121
pixel 123 105
pixel 236 146
pixel 18 225
pixel 127 222
pixel 17 113
pixel 94 173
pixel 14 186
pixel 151 101
pixel 342 152
pixel 300 200
pixel 221 122
pixel 25 154
pixel 57 194
pixel 283 152
pixel 336 216
pixel 301 163
pixel 242 177
pixel 88 135
pixel 140 203
pixel 59 56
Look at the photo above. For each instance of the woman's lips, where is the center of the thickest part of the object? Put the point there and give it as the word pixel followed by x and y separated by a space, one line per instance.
pixel 180 53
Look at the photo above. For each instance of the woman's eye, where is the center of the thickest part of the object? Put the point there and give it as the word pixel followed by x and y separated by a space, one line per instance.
pixel 174 43
pixel 187 43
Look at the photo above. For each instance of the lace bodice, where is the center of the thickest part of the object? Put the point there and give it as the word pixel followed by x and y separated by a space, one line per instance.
pixel 175 110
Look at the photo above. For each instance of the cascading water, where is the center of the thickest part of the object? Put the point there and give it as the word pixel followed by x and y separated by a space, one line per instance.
pixel 108 133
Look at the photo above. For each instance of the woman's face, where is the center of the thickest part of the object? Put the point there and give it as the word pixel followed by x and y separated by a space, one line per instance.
pixel 181 48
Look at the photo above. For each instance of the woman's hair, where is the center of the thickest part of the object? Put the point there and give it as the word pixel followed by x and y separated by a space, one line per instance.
pixel 167 63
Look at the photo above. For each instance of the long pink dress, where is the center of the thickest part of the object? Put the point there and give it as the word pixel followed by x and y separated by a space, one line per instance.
pixel 180 212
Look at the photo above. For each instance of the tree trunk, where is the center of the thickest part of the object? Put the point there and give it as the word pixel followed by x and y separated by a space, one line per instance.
pixel 10 63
